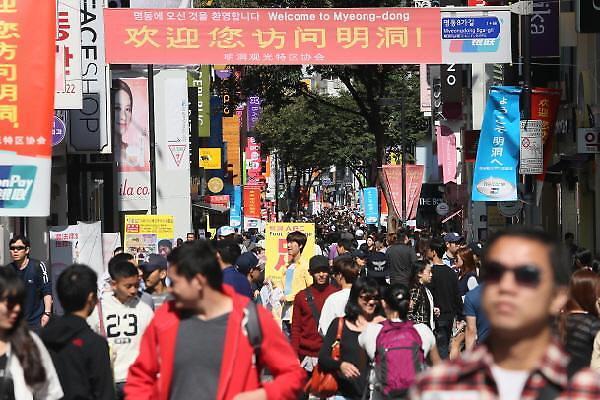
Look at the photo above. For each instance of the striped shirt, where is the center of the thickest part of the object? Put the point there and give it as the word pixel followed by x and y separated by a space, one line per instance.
pixel 470 377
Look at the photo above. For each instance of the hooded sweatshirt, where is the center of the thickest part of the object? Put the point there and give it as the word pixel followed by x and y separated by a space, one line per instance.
pixel 81 359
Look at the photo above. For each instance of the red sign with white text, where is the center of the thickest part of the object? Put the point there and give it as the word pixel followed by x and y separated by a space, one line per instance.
pixel 273 36
pixel 251 203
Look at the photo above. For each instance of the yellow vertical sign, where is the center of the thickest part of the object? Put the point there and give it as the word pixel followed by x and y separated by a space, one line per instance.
pixel 276 248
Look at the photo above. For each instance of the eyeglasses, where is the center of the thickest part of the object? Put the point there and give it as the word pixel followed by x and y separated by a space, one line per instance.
pixel 525 275
pixel 17 248
pixel 368 297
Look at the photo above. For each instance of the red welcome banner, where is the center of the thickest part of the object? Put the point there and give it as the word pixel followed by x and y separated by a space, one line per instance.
pixel 544 107
pixel 273 36
pixel 251 203
pixel 393 183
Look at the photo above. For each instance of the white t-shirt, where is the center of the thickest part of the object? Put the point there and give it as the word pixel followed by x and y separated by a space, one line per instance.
pixel 510 383
pixel 368 338
pixel 124 325
pixel 334 307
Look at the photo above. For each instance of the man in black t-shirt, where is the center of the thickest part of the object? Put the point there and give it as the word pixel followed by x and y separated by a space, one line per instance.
pixel 36 278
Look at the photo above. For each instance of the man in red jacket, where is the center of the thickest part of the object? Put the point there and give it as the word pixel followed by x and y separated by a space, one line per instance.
pixel 196 347
pixel 308 303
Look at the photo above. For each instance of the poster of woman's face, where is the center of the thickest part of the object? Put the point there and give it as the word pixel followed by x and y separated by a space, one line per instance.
pixel 130 124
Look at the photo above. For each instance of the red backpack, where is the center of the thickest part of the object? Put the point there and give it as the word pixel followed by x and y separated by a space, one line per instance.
pixel 398 358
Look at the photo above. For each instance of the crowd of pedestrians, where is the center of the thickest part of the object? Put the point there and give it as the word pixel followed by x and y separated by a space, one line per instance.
pixel 408 314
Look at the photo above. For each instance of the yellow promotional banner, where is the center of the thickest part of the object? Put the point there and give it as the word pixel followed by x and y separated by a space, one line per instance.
pixel 276 248
pixel 210 157
pixel 147 234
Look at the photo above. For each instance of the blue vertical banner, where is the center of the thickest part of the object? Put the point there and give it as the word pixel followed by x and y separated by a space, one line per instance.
pixel 371 205
pixel 495 176
pixel 235 213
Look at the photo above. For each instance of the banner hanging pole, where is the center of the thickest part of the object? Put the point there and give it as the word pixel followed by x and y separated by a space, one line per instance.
pixel 152 135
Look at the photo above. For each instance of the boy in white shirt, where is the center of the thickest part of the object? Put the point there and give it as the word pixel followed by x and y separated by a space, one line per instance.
pixel 122 319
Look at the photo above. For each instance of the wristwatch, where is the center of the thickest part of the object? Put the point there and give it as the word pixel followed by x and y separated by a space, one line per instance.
pixel 47 313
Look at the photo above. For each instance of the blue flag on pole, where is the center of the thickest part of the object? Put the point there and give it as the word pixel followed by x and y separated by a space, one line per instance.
pixel 371 205
pixel 235 213
pixel 495 176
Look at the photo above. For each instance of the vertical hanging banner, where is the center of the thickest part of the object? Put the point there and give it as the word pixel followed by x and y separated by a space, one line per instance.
pixel 495 176
pixel 253 167
pixel 371 205
pixel 544 107
pixel 446 148
pixel 531 155
pixel 251 203
pixel 253 109
pixel 545 29
pixel 132 142
pixel 231 136
pixel 68 83
pixel 88 130
pixel 27 59
pixel 200 81
pixel 235 214
pixel 392 181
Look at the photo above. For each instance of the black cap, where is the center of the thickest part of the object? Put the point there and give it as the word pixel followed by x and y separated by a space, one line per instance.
pixel 246 262
pixel 318 263
pixel 155 261
pixel 476 248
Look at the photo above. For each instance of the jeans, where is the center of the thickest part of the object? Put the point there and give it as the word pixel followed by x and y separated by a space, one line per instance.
pixel 443 333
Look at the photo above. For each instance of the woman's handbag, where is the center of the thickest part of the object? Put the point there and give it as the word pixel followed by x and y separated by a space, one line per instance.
pixel 324 384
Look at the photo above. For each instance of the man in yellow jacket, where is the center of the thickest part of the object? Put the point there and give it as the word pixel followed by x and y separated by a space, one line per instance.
pixel 295 278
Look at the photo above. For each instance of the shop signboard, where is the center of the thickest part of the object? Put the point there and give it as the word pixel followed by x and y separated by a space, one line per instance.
pixel 588 140
pixel 235 214
pixel 68 84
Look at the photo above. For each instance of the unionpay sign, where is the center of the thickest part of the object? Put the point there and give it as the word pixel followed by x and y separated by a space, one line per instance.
pixel 26 105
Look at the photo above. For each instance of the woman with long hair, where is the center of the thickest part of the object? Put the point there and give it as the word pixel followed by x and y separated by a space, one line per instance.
pixel 395 302
pixel 467 270
pixel 26 368
pixel 421 309
pixel 579 321
pixel 351 369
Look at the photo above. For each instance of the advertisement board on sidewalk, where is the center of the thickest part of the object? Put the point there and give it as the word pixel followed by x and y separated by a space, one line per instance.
pixel 276 248
pixel 26 107
pixel 145 234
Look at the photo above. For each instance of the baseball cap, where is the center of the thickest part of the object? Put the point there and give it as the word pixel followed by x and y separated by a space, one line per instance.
pixel 452 237
pixel 476 248
pixel 318 263
pixel 225 231
pixel 246 262
pixel 359 254
pixel 359 233
pixel 154 262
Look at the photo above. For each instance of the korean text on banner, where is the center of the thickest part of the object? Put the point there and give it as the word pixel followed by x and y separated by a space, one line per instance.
pixel 251 202
pixel 146 234
pixel 273 36
pixel 26 106
pixel 235 214
pixel 371 205
pixel 276 249
pixel 476 37
pixel 531 153
pixel 495 176
pixel 132 142
pixel 68 85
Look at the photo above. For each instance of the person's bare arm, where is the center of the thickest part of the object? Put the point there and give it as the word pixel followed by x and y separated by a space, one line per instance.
pixel 471 333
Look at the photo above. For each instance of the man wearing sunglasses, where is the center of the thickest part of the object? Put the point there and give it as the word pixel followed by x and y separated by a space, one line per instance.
pixel 36 278
pixel 525 276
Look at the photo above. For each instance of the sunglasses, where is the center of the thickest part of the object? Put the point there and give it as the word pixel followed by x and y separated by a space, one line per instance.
pixel 17 248
pixel 525 275
pixel 368 297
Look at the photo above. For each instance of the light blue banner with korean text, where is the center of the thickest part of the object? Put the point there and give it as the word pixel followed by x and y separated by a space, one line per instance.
pixel 371 205
pixel 495 176
pixel 235 213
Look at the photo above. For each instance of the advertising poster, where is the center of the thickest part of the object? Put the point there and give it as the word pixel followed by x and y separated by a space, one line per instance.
pixel 235 214
pixel 476 37
pixel 274 36
pixel 371 205
pixel 89 130
pixel 146 234
pixel 68 86
pixel 210 158
pixel 132 142
pixel 276 248
pixel 531 154
pixel 251 203
pixel 495 174
pixel 26 106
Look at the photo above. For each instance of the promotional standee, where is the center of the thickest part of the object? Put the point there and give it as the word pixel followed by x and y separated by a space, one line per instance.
pixel 276 248
pixel 146 234
pixel 26 106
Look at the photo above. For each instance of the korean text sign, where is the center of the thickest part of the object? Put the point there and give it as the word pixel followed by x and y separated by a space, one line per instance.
pixel 371 205
pixel 273 36
pixel 495 176
pixel 26 106
pixel 276 248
